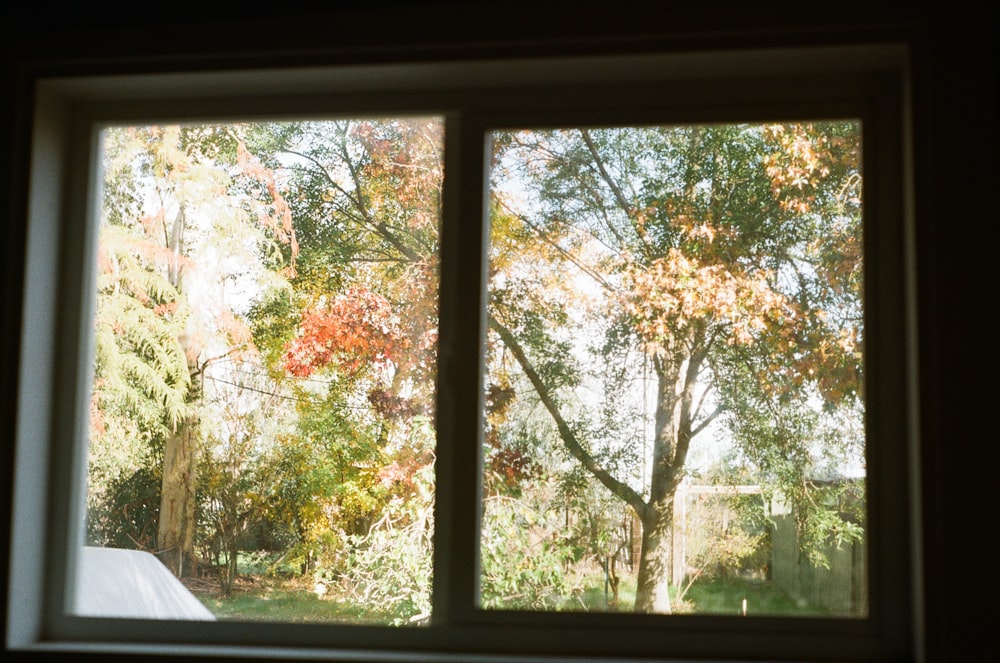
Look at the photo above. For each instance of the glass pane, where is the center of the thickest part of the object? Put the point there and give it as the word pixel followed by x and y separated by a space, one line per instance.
pixel 674 398
pixel 261 440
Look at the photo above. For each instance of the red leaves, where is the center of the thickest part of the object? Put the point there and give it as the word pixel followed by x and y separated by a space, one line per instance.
pixel 357 329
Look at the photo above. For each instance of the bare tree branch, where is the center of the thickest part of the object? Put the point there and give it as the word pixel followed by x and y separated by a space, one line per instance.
pixel 573 445
pixel 619 196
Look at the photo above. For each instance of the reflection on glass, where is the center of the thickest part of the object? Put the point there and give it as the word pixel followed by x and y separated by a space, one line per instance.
pixel 265 355
pixel 674 398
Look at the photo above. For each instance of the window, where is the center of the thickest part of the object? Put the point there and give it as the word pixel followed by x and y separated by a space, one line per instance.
pixel 265 360
pixel 479 102
pixel 653 305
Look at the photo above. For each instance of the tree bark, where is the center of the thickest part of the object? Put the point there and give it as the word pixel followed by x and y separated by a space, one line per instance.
pixel 653 583
pixel 176 529
pixel 676 377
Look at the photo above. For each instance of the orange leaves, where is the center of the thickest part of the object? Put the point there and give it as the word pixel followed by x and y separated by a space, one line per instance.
pixel 403 168
pixel 836 365
pixel 813 348
pixel 107 263
pixel 801 153
pixel 237 331
pixel 357 329
pixel 676 292
pixel 403 471
pixel 278 216
pixel 803 158
pixel 702 231
pixel 166 310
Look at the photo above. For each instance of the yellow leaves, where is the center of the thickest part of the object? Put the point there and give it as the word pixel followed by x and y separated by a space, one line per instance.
pixel 703 231
pixel 168 153
pixel 796 205
pixel 799 165
pixel 774 131
pixel 676 292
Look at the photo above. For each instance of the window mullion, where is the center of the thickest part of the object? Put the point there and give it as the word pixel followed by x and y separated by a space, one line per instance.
pixel 459 398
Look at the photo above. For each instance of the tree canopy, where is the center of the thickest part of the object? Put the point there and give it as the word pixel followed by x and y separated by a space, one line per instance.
pixel 267 345
pixel 724 260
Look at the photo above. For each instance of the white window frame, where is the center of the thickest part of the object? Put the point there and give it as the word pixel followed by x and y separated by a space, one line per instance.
pixel 474 97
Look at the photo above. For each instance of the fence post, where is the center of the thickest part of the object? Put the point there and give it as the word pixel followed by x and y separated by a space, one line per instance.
pixel 678 543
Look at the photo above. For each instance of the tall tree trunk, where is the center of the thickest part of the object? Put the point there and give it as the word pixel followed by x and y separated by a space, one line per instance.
pixel 176 530
pixel 657 518
pixel 652 589
pixel 676 378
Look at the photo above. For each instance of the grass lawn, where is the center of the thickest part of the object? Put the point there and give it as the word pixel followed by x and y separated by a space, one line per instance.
pixel 275 600
pixel 725 597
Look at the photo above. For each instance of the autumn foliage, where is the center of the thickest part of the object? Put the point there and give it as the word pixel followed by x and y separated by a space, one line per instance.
pixel 648 286
pixel 355 330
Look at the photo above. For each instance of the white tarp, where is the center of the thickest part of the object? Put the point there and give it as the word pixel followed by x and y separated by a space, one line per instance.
pixel 132 584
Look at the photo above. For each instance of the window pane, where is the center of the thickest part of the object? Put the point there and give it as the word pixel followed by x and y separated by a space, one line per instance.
pixel 263 395
pixel 674 398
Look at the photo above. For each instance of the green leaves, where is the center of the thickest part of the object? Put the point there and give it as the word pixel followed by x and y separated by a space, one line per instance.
pixel 141 371
pixel 717 266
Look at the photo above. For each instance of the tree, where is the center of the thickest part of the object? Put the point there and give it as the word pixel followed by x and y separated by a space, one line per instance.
pixel 356 340
pixel 139 389
pixel 248 420
pixel 725 260
pixel 201 212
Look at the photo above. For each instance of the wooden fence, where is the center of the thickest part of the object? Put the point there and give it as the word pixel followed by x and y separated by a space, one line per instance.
pixel 841 588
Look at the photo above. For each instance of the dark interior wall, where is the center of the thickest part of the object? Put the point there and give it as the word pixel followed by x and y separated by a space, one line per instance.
pixel 955 153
